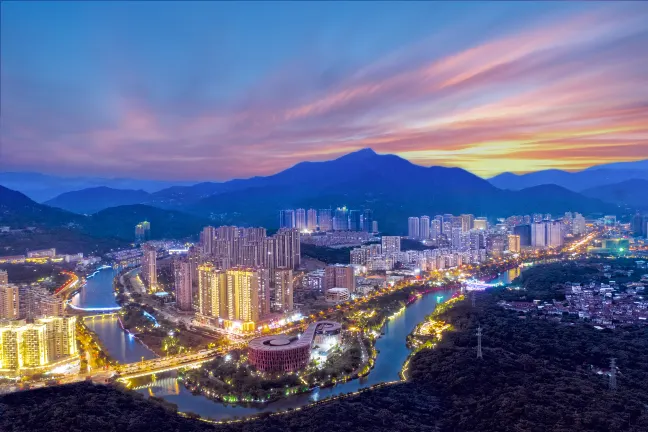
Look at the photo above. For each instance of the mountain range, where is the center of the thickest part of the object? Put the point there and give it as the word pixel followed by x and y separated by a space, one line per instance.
pixel 599 175
pixel 19 211
pixel 43 187
pixel 393 187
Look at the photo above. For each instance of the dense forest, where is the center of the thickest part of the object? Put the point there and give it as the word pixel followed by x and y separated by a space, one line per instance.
pixel 536 375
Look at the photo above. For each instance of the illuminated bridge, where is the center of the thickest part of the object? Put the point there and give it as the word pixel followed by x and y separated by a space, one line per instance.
pixel 161 387
pixel 474 285
pixel 160 365
pixel 101 316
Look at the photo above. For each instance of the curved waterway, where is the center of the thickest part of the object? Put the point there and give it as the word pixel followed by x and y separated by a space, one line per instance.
pixel 98 293
pixel 393 352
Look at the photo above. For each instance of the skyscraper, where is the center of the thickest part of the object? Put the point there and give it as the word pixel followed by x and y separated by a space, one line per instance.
pixel 287 249
pixel 367 220
pixel 578 224
pixel 555 233
pixel 374 226
pixel 287 219
pixel 300 219
pixel 538 235
pixel 341 219
pixel 149 267
pixel 311 219
pixel 424 227
pixel 355 217
pixel 248 294
pixel 435 228
pixel 212 292
pixel 207 237
pixel 467 222
pixel 413 226
pixel 325 220
pixel 183 284
pixel 524 232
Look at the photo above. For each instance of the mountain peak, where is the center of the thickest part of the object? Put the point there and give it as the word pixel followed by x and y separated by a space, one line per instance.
pixel 364 153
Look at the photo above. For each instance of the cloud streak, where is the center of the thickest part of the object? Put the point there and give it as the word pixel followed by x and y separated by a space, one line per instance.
pixel 566 93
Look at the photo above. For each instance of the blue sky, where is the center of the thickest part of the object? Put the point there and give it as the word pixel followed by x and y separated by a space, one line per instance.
pixel 210 90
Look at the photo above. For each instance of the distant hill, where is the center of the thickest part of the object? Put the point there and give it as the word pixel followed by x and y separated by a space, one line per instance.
pixel 393 187
pixel 595 176
pixel 92 200
pixel 43 187
pixel 19 211
pixel 120 222
pixel 632 193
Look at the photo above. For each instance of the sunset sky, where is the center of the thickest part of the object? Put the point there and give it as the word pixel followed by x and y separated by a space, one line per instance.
pixel 212 91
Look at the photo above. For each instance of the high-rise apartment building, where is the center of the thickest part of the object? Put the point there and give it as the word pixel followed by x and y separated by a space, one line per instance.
pixel 374 226
pixel 341 219
pixel 435 228
pixel 367 220
pixel 300 219
pixel 4 277
pixel 248 294
pixel 287 219
pixel 36 301
pixel 555 234
pixel 538 235
pixel 524 232
pixel 311 219
pixel 514 243
pixel 149 267
pixel 325 220
pixel 287 249
pixel 339 276
pixel 183 284
pixel 25 346
pixel 9 301
pixel 424 228
pixel 207 238
pixel 281 291
pixel 212 292
pixel 391 244
pixel 413 226
pixel 467 222
pixel 355 220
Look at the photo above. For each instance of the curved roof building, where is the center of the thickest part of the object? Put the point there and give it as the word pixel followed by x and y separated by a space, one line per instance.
pixel 280 353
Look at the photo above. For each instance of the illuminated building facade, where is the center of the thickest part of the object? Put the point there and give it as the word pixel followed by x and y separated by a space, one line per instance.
pixel 282 290
pixel 281 353
pixel 149 267
pixel 340 276
pixel 35 345
pixel 514 243
pixel 311 219
pixel 237 294
pixel 9 301
pixel 391 244
pixel 183 284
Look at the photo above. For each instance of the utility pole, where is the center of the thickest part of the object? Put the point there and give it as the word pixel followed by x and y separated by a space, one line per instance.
pixel 479 335
pixel 613 384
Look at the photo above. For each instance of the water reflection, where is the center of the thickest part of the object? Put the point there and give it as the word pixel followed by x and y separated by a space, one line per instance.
pixel 98 293
pixel 392 354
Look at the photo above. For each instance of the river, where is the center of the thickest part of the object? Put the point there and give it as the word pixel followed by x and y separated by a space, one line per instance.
pixel 98 293
pixel 391 346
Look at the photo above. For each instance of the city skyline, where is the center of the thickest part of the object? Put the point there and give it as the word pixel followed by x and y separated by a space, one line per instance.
pixel 485 87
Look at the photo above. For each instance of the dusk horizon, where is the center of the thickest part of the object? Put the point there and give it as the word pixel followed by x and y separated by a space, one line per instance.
pixel 517 87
